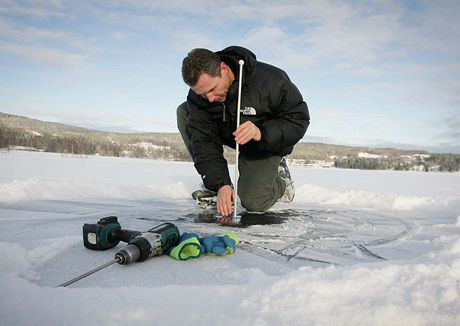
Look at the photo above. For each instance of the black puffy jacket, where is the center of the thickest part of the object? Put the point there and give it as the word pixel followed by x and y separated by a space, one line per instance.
pixel 269 99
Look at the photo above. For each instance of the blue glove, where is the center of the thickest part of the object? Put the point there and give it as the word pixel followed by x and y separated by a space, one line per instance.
pixel 220 244
pixel 189 247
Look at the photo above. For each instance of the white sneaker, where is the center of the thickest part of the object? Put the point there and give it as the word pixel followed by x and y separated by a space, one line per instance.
pixel 285 175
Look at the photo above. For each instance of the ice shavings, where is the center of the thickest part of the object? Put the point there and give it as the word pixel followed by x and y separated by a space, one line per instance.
pixel 15 259
pixel 66 189
pixel 20 261
pixel 311 194
pixel 419 293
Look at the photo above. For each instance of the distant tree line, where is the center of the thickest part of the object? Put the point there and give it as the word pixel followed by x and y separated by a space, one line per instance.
pixel 447 162
pixel 364 163
pixel 170 146
pixel 436 162
pixel 83 144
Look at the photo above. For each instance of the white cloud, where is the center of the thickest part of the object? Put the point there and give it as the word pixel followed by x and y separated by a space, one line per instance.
pixel 51 57
pixel 274 44
pixel 119 36
pixel 265 35
pixel 55 49
pixel 39 9
pixel 448 129
pixel 346 37
pixel 27 35
pixel 349 117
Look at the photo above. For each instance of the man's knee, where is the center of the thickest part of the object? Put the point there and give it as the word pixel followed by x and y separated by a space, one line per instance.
pixel 257 201
pixel 257 206
pixel 182 118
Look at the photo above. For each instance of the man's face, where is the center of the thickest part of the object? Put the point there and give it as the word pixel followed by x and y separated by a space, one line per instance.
pixel 214 88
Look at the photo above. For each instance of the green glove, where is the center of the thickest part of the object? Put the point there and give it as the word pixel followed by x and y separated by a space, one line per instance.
pixel 189 247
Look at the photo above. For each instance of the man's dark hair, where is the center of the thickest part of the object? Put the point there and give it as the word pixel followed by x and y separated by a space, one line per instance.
pixel 197 62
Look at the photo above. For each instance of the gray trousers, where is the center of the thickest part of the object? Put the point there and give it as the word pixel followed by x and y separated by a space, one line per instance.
pixel 259 186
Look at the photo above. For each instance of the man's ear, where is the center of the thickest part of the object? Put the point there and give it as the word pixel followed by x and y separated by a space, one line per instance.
pixel 223 68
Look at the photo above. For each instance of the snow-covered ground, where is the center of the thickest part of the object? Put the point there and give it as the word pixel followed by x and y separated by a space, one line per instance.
pixel 354 248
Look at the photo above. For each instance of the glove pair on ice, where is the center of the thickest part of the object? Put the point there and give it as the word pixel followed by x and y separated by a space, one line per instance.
pixel 192 246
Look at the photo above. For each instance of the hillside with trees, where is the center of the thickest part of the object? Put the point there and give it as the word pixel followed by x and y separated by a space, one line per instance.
pixel 21 132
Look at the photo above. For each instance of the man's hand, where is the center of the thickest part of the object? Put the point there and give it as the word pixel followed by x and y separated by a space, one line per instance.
pixel 225 200
pixel 246 132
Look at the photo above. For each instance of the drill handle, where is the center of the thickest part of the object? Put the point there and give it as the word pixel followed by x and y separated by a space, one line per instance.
pixel 124 235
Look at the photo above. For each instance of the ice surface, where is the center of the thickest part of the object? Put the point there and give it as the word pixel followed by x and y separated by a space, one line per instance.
pixel 354 248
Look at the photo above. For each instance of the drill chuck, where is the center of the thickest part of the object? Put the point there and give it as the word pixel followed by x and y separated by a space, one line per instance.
pixel 128 254
pixel 149 244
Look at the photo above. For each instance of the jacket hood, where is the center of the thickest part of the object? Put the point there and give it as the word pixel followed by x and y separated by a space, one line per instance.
pixel 233 54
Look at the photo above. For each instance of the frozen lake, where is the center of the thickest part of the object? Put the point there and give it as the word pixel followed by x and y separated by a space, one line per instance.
pixel 355 247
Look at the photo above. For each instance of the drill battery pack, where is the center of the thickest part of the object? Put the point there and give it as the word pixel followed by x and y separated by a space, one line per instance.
pixel 100 236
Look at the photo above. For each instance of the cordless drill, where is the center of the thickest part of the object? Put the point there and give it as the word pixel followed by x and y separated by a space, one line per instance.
pixel 107 233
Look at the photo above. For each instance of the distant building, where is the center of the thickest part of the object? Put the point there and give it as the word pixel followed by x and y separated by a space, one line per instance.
pixel 321 164
pixel 434 168
pixel 368 155
pixel 150 146
pixel 24 148
pixel 418 168
pixel 422 157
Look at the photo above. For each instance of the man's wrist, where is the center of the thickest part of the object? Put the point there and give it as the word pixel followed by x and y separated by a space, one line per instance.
pixel 258 136
pixel 222 186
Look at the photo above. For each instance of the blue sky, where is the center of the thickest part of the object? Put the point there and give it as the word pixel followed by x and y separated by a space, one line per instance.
pixel 372 72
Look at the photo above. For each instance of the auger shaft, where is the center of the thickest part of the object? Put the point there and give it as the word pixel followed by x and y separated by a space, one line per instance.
pixel 78 278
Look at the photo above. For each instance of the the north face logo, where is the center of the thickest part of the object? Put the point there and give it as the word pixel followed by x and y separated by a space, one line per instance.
pixel 248 110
